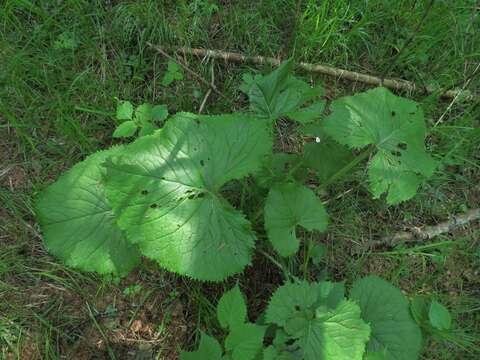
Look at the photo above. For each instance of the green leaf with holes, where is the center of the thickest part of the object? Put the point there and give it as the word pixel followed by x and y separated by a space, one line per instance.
pixel 386 309
pixel 78 223
pixel 166 190
pixel 289 205
pixel 209 349
pixel 395 127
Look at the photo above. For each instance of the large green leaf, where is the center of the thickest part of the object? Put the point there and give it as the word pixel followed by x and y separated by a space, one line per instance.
pixel 338 334
pixel 78 223
pixel 166 190
pixel 387 311
pixel 396 128
pixel 289 205
pixel 280 94
pixel 231 309
pixel 209 349
pixel 245 341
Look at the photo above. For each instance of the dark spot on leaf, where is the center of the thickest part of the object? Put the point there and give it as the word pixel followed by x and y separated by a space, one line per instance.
pixel 402 146
pixel 412 113
pixel 202 162
pixel 163 178
pixel 297 308
pixel 394 113
pixel 201 195
pixel 153 206
pixel 144 192
pixel 396 153
pixel 191 197
pixel 197 122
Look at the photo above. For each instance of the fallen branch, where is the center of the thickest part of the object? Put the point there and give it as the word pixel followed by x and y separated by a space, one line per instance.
pixel 429 232
pixel 403 85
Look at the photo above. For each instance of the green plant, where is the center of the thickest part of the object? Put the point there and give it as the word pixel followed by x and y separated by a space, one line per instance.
pixel 162 196
pixel 143 119
pixel 174 72
pixel 315 321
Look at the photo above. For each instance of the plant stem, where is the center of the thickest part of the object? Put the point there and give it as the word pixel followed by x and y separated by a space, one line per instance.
pixel 346 169
pixel 286 273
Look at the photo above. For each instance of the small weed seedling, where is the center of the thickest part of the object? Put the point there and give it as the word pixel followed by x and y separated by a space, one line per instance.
pixel 143 120
pixel 162 197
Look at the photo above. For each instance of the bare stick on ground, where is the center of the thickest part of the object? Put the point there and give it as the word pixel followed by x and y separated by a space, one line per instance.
pixel 429 232
pixel 403 85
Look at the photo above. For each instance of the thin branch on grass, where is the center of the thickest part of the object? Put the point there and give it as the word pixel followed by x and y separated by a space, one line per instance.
pixel 429 232
pixel 402 85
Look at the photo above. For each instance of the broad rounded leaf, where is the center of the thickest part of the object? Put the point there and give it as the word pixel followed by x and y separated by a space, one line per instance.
pixel 125 129
pixel 291 298
pixel 78 223
pixel 245 341
pixel 231 309
pixel 387 311
pixel 143 113
pixel 124 110
pixel 159 112
pixel 338 334
pixel 439 316
pixel 165 189
pixel 209 349
pixel 396 128
pixel 289 205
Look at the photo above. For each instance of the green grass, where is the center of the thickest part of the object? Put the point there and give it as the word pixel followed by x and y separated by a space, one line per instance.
pixel 63 63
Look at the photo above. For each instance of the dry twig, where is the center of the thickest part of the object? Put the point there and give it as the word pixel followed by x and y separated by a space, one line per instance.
pixel 429 232
pixel 403 85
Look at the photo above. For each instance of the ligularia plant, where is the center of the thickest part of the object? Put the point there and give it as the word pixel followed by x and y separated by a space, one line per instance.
pixel 315 321
pixel 162 197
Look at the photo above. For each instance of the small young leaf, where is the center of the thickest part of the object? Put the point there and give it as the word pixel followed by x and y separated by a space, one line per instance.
pixel 387 311
pixel 439 316
pixel 289 205
pixel 209 349
pixel 309 113
pixel 124 110
pixel 159 112
pixel 231 309
pixel 143 113
pixel 146 129
pixel 125 129
pixel 318 251
pixel 167 79
pixel 419 309
pixel 245 341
